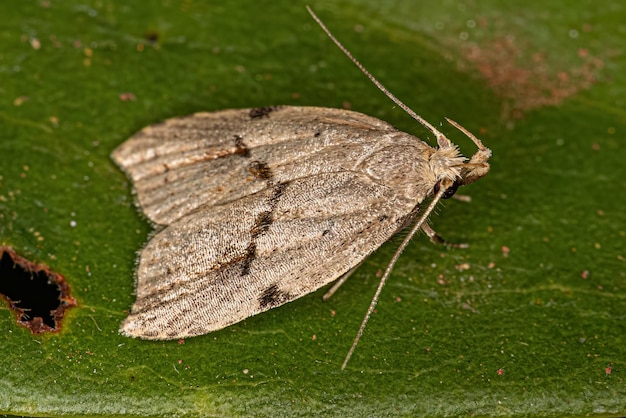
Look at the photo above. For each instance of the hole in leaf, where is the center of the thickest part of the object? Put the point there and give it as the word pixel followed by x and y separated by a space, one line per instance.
pixel 38 296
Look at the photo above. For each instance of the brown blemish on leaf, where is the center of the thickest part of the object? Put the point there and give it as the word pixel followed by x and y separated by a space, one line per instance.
pixel 528 78
pixel 37 295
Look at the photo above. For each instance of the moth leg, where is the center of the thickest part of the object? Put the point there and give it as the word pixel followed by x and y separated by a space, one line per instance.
pixel 436 239
pixel 339 282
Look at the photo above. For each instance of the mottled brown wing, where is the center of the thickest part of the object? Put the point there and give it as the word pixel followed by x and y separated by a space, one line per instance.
pixel 261 206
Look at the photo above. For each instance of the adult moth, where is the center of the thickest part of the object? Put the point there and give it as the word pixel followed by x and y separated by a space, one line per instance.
pixel 257 207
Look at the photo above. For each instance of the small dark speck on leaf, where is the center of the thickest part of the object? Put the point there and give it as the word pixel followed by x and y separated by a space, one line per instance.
pixel 151 36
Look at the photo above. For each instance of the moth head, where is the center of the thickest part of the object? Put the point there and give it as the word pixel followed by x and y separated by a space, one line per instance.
pixel 478 164
pixel 446 164
pixel 452 169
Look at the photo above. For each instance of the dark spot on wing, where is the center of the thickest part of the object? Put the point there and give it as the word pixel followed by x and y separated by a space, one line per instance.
pixel 240 147
pixel 259 112
pixel 248 257
pixel 260 170
pixel 262 223
pixel 273 296
pixel 278 189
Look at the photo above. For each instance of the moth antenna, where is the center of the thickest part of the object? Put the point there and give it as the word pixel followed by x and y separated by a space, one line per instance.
pixel 442 140
pixel 416 227
pixel 478 165
pixel 468 134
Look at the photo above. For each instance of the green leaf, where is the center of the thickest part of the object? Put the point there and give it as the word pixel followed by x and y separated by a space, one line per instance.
pixel 528 321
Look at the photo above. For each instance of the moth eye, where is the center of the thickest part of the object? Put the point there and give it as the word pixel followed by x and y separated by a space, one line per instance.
pixel 450 191
pixel 436 187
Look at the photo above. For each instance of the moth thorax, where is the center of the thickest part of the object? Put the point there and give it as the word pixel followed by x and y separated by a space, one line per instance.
pixel 401 168
pixel 445 163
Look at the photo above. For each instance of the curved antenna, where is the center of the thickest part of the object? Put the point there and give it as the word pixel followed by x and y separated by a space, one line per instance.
pixel 441 138
pixel 468 134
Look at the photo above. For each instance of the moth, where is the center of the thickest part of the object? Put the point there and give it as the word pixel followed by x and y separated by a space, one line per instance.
pixel 257 207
